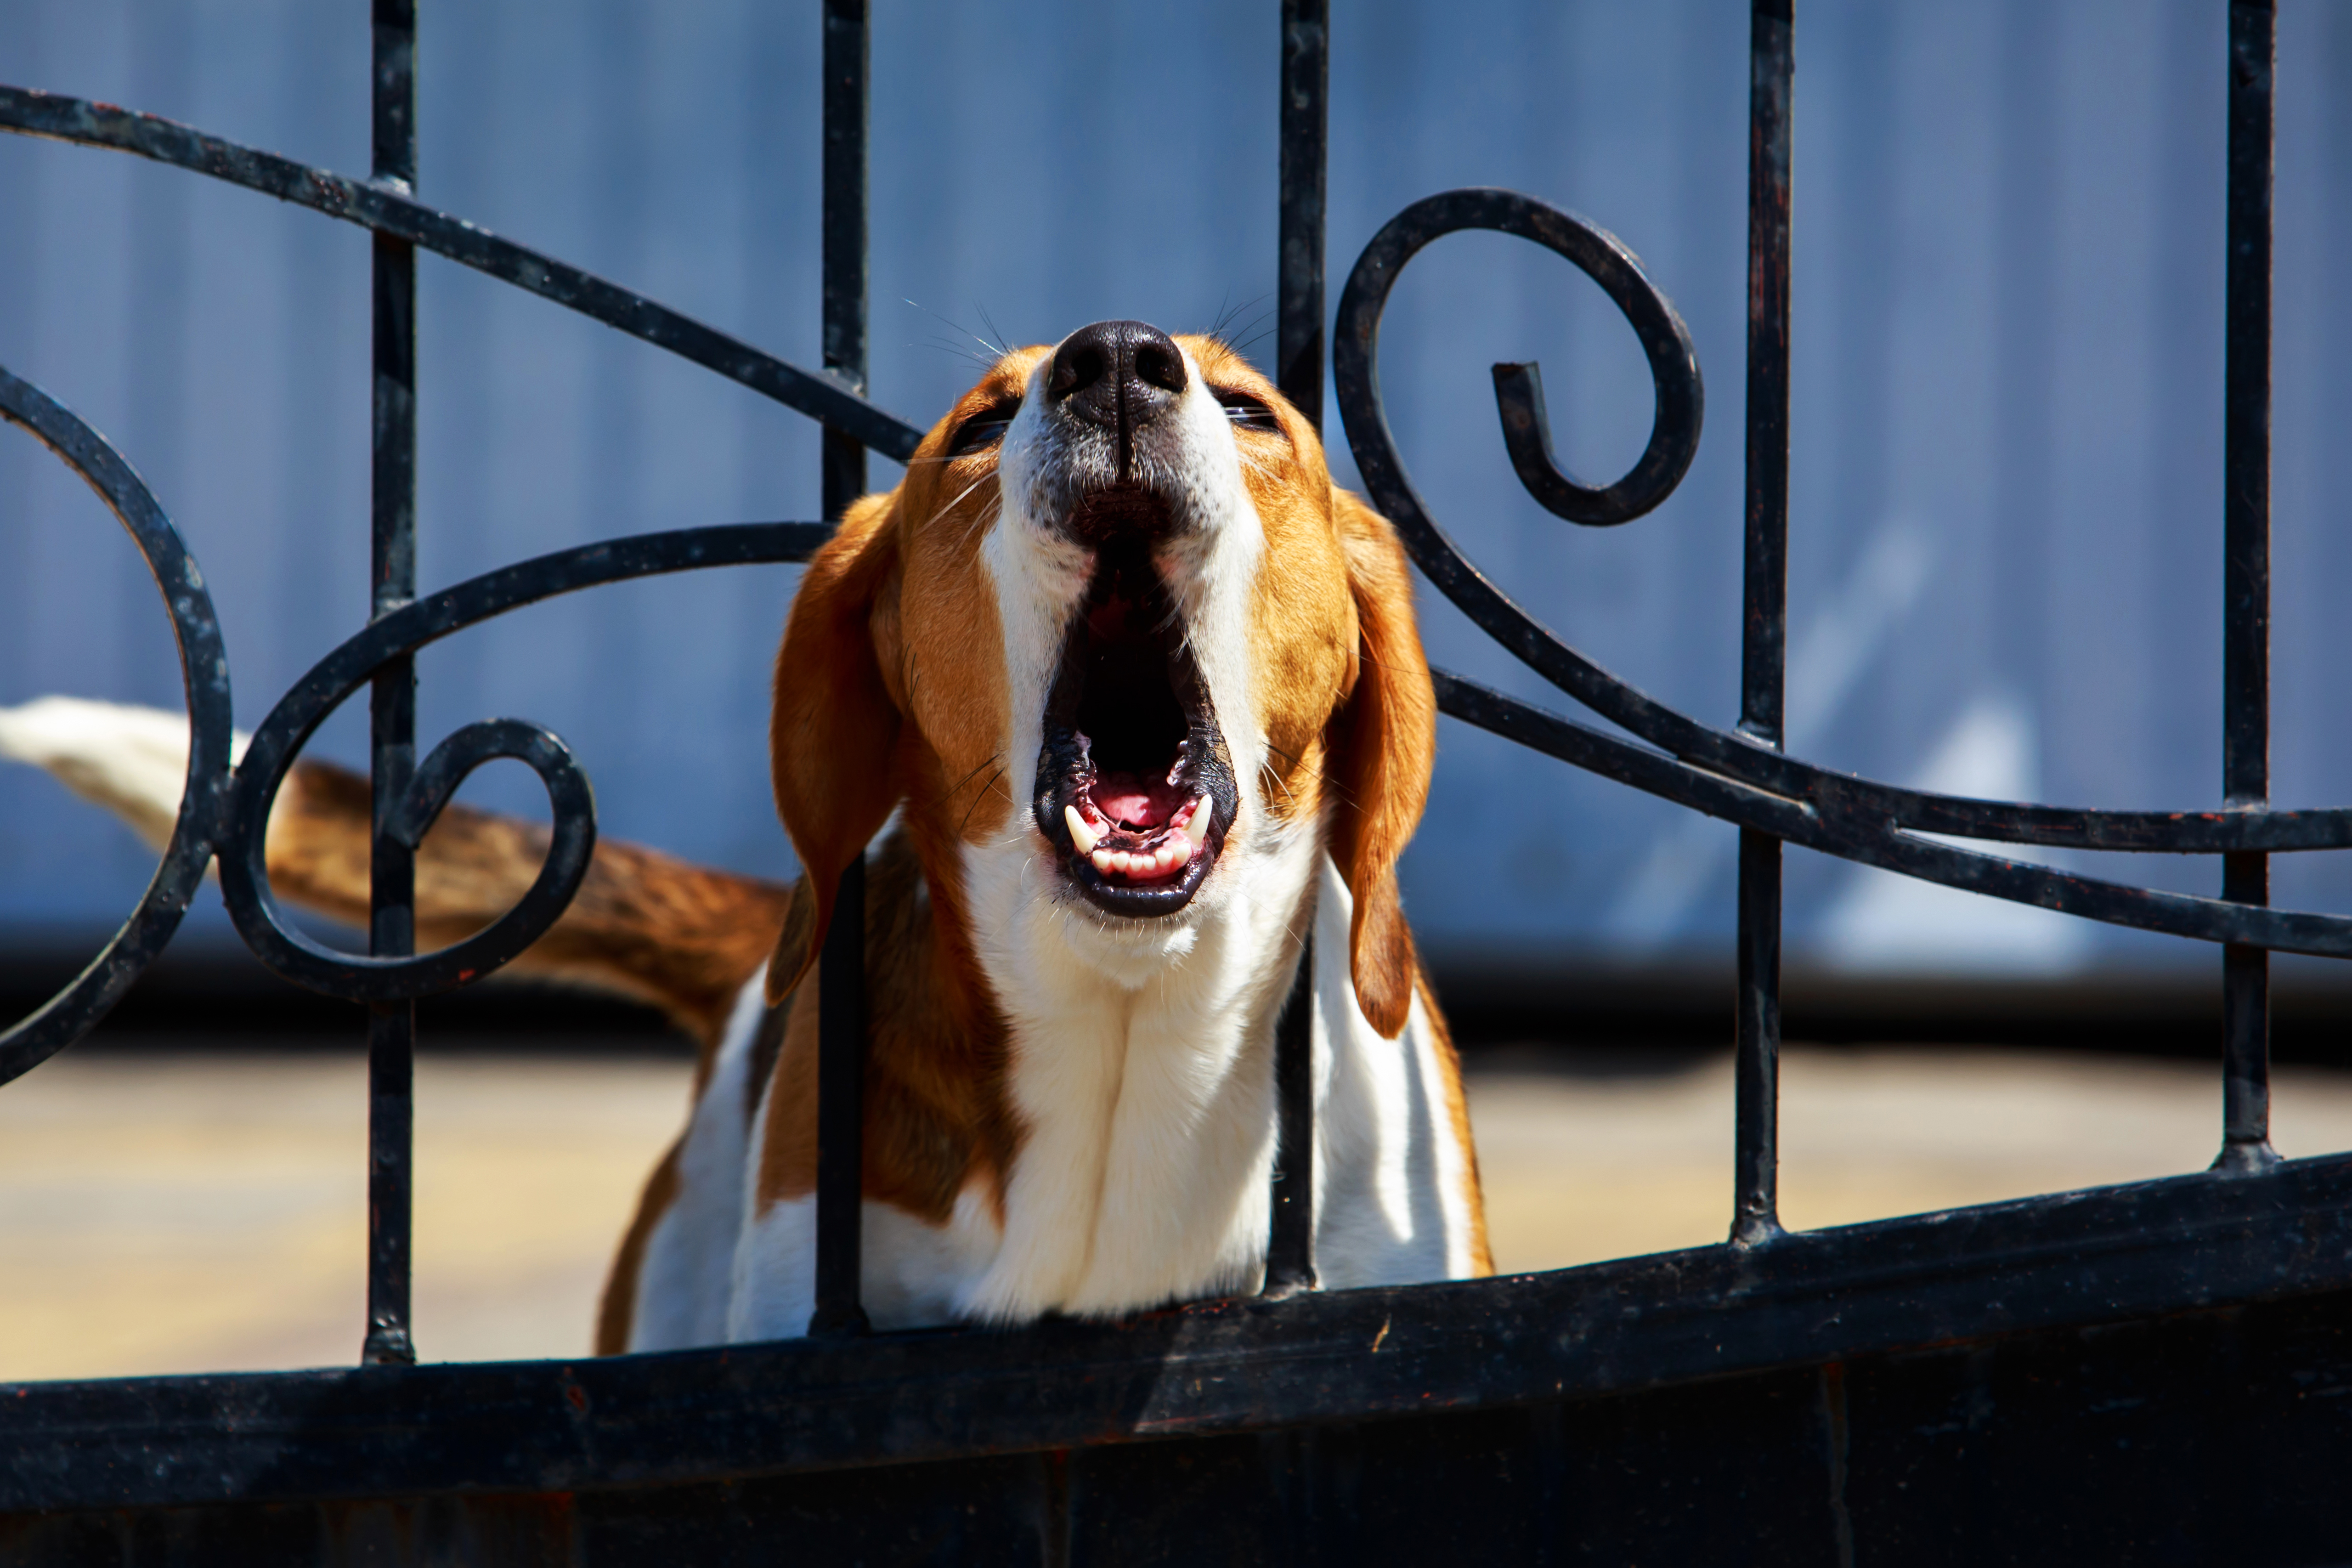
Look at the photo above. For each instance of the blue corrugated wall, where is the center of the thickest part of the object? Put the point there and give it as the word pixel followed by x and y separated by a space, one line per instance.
pixel 2006 509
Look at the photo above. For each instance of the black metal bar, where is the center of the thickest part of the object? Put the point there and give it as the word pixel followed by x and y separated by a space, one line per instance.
pixel 1291 1250
pixel 848 49
pixel 840 1111
pixel 1763 646
pixel 1306 165
pixel 2246 574
pixel 841 990
pixel 1305 125
pixel 392 887
pixel 1756 1059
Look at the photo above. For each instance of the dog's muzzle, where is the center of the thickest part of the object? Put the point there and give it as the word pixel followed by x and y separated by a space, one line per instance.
pixel 1135 791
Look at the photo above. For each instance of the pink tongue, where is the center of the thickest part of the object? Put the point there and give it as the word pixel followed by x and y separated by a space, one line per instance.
pixel 1134 801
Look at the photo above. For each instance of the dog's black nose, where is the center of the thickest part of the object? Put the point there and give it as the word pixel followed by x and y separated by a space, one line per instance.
pixel 1121 375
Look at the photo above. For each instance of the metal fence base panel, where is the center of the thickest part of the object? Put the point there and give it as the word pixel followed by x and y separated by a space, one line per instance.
pixel 2202 1437
pixel 2068 1262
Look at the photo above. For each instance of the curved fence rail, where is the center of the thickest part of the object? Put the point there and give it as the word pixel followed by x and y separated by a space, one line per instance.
pixel 2221 1237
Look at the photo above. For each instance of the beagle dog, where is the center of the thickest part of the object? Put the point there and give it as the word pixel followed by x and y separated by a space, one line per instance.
pixel 1118 695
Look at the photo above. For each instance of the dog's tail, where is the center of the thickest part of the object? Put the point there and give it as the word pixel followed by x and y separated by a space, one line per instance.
pixel 644 925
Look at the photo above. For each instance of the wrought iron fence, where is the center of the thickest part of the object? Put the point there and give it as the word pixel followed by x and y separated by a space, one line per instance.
pixel 2253 1227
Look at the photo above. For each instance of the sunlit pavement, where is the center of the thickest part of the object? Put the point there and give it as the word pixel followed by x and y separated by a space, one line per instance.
pixel 182 1213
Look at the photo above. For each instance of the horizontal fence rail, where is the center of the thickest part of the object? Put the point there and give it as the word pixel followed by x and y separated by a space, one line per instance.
pixel 2254 1229
pixel 2115 1255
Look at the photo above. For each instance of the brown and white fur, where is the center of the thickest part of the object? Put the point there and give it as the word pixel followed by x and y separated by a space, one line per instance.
pixel 1069 1101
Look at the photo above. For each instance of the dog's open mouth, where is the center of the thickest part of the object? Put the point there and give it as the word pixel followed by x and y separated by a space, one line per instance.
pixel 1134 788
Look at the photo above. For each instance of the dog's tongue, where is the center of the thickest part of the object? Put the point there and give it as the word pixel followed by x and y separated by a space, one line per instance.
pixel 1135 801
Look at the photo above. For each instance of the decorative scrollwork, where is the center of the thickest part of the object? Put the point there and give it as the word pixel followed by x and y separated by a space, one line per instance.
pixel 245 883
pixel 1721 771
pixel 204 674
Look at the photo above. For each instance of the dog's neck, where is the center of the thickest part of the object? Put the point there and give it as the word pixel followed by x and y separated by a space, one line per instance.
pixel 1139 1072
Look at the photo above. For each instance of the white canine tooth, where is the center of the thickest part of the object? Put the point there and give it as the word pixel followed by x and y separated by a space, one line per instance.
pixel 1085 838
pixel 1195 826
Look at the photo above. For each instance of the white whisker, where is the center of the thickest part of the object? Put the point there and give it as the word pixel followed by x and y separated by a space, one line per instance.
pixel 960 497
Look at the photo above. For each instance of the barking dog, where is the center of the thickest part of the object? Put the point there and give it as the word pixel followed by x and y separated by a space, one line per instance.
pixel 1118 694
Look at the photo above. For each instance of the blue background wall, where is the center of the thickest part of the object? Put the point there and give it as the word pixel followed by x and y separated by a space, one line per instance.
pixel 2006 509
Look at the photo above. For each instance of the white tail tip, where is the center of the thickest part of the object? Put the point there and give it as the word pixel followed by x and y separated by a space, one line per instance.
pixel 131 761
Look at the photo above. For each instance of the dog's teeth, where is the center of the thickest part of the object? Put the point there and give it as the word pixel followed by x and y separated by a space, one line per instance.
pixel 1168 857
pixel 1105 860
pixel 1195 827
pixel 1085 838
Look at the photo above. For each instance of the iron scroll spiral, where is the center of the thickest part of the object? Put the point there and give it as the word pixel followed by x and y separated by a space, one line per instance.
pixel 270 756
pixel 204 674
pixel 1721 771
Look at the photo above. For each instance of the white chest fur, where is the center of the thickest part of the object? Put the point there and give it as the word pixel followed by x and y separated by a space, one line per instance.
pixel 1149 1141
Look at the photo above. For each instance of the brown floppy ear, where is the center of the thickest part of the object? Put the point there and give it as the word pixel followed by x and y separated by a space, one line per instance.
pixel 1382 744
pixel 834 728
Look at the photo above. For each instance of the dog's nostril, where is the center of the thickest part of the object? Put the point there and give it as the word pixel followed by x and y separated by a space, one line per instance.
pixel 1158 363
pixel 1078 366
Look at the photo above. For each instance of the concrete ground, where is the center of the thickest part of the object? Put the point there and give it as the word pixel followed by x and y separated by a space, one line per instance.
pixel 162 1213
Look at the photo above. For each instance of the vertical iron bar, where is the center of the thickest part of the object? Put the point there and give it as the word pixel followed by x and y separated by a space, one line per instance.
pixel 1763 645
pixel 1305 129
pixel 848 49
pixel 392 922
pixel 841 968
pixel 1290 1247
pixel 841 1111
pixel 1305 126
pixel 2246 575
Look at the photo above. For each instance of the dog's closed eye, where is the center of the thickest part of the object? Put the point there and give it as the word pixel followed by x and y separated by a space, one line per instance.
pixel 984 429
pixel 1245 412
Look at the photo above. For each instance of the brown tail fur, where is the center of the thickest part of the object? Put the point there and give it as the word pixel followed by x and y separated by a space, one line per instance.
pixel 644 925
